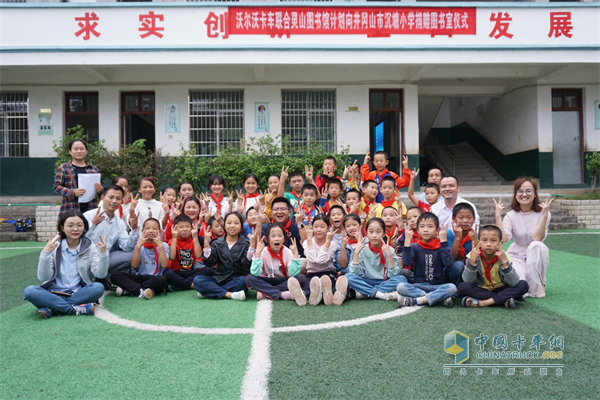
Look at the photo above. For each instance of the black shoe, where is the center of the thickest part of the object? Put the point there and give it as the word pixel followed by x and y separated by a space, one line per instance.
pixel 107 285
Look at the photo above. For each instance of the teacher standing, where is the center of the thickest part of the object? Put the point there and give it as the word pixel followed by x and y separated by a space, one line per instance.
pixel 66 181
pixel 527 225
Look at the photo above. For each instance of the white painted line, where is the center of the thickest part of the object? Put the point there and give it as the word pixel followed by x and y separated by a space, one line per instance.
pixel 19 248
pixel 352 322
pixel 256 381
pixel 573 233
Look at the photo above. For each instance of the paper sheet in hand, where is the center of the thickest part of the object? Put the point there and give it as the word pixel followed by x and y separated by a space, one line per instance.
pixel 87 181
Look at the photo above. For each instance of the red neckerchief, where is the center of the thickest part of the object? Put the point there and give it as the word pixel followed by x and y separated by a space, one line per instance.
pixel 366 209
pixel 121 211
pixel 307 212
pixel 352 241
pixel 433 245
pixel 249 196
pixel 376 250
pixel 391 235
pixel 218 201
pixel 381 176
pixel 461 249
pixel 298 198
pixel 155 247
pixel 389 203
pixel 487 268
pixel 415 238
pixel 279 257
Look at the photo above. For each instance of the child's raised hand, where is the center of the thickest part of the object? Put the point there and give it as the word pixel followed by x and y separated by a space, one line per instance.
pixel 367 158
pixel 353 209
pixel 457 231
pixel 261 197
pixel 308 172
pixel 346 169
pixel 143 239
pixel 219 219
pixel 398 199
pixel 475 252
pixel 294 247
pixel 473 234
pixel 195 231
pixel 373 211
pixel 499 206
pixel 207 234
pixel 133 220
pixel 405 162
pixel 309 233
pixel 252 238
pixel 52 243
pixel 102 243
pixel 299 217
pixel 359 246
pixel 230 198
pixel 443 233
pixel 133 204
pixel 344 239
pixel 284 173
pixel 500 253
pixel 399 221
pixel 260 246
pixel 414 173
pixel 408 236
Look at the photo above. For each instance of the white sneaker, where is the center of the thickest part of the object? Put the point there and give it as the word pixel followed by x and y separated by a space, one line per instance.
pixel 241 295
pixel 391 296
pixel 119 291
pixel 200 295
pixel 146 294
pixel 296 291
pixel 360 296
pixel 315 291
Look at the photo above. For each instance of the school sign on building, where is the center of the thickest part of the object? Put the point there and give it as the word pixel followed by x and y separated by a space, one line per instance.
pixel 519 83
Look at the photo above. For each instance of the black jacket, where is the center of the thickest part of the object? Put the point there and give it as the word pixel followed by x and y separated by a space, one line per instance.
pixel 228 263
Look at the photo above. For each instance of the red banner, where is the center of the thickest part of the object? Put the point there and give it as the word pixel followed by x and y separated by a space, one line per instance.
pixel 370 21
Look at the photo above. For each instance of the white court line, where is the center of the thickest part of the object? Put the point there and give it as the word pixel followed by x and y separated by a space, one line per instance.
pixel 574 233
pixel 256 381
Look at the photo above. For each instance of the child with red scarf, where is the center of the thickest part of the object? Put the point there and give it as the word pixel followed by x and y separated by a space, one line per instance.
pixel 375 271
pixel 394 226
pixel 350 238
pixel 489 277
pixel 391 196
pixel 246 201
pixel 148 263
pixel 429 257
pixel 380 162
pixel 308 209
pixel 185 253
pixel 412 216
pixel 368 206
pixel 217 203
pixel 462 238
pixel 273 265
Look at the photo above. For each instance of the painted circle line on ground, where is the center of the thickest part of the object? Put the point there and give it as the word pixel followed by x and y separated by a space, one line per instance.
pixel 105 315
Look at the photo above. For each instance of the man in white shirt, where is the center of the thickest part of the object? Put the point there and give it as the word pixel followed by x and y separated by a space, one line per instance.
pixel 449 189
pixel 103 221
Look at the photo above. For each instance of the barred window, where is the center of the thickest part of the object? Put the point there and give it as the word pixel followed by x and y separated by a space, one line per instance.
pixel 14 129
pixel 308 116
pixel 216 120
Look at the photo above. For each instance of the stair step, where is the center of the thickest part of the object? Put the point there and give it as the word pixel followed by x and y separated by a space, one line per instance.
pixel 18 236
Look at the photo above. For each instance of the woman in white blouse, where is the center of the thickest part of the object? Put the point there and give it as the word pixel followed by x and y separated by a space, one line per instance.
pixel 527 225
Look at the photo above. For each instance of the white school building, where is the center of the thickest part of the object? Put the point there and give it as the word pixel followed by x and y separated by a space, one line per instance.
pixel 487 90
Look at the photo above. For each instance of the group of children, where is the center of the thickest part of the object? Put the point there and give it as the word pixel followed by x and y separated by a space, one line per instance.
pixel 328 240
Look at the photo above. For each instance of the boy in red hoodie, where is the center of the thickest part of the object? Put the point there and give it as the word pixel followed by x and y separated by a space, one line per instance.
pixel 380 162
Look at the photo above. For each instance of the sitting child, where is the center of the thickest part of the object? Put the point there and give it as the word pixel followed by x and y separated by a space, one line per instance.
pixel 489 277
pixel 228 256
pixel 272 267
pixel 67 266
pixel 350 238
pixel 462 238
pixel 375 273
pixel 428 256
pixel 149 261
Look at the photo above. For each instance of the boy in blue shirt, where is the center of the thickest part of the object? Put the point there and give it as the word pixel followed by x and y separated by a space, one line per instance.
pixel 429 256
pixel 462 237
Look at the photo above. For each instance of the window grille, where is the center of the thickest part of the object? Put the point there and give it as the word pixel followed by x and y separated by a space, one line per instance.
pixel 308 116
pixel 216 120
pixel 14 130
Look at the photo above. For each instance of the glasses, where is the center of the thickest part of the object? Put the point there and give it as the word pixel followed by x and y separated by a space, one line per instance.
pixel 280 209
pixel 528 191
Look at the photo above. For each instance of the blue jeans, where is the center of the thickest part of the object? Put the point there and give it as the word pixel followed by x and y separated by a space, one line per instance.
pixel 369 287
pixel 208 286
pixel 433 293
pixel 41 297
pixel 453 273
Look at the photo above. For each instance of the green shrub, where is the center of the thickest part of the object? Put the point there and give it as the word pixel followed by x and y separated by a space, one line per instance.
pixel 592 164
pixel 96 150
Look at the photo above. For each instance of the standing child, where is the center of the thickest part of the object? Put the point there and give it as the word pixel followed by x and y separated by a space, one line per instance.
pixel 429 256
pixel 67 267
pixel 308 209
pixel 489 277
pixel 185 189
pixel 296 183
pixel 191 207
pixel 380 161
pixel 168 198
pixel 391 196
pixel 149 261
pixel 463 237
pixel 336 215
pixel 320 253
pixel 375 272
pixel 185 255
pixel 272 267
pixel 350 238
pixel 431 193
pixel 394 225
pixel 146 207
pixel 247 200
pixel 217 203
pixel 251 222
pixel 329 167
pixel 334 188
pixel 368 206
pixel 228 256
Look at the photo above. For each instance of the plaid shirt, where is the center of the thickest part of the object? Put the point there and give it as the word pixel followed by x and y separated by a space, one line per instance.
pixel 65 184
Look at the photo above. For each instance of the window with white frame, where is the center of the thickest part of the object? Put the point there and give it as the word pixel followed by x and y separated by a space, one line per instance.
pixel 216 120
pixel 308 116
pixel 14 129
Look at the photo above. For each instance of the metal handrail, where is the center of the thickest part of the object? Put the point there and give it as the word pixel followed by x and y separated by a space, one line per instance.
pixel 442 153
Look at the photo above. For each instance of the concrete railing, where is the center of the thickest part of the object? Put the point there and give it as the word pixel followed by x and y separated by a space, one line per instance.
pixel 586 211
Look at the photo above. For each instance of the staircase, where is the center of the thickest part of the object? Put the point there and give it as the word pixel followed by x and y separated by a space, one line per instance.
pixel 471 169
pixel 560 219
pixel 7 231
